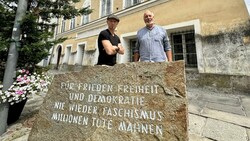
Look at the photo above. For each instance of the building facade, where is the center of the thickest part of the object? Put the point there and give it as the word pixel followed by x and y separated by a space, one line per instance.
pixel 211 36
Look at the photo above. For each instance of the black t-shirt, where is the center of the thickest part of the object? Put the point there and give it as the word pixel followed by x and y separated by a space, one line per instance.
pixel 104 58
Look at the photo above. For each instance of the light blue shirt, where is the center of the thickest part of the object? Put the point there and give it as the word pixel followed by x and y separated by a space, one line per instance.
pixel 152 44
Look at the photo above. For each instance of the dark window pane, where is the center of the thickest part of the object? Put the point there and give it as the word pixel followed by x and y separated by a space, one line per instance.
pixel 189 38
pixel 108 7
pixel 178 57
pixel 178 49
pixel 191 59
pixel 191 48
pixel 177 39
pixel 132 48
pixel 135 1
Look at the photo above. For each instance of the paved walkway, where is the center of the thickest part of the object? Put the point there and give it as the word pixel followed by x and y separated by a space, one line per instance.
pixel 213 116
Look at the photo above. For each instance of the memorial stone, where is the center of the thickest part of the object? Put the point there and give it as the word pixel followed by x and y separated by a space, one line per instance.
pixel 126 102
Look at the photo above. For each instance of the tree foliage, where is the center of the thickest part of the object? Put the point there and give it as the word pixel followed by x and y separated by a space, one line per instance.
pixel 37 27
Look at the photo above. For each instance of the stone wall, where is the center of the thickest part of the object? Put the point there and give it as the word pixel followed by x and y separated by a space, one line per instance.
pixel 218 82
pixel 227 52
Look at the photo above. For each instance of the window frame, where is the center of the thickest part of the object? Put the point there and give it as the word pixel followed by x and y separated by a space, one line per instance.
pixel 131 3
pixel 104 13
pixel 72 24
pixel 63 25
pixel 184 44
pixel 86 18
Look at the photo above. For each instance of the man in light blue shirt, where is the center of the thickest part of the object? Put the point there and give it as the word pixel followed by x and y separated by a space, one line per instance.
pixel 152 42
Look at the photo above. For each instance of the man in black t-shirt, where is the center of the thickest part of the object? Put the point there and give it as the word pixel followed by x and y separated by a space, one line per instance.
pixel 109 43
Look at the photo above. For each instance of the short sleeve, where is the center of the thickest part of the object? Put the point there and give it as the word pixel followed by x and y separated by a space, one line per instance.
pixel 103 36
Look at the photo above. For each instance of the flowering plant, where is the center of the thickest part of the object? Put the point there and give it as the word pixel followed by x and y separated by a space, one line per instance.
pixel 25 86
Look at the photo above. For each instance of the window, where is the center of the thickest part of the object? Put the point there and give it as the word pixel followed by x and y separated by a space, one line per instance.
pixel 72 23
pixel 183 47
pixel 56 28
pixel 63 25
pixel 67 55
pixel 129 3
pixel 105 7
pixel 85 18
pixel 132 48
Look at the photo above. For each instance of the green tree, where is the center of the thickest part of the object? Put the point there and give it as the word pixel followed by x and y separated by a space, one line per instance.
pixel 37 27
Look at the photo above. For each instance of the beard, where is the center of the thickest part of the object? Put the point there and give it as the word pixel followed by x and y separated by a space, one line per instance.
pixel 149 23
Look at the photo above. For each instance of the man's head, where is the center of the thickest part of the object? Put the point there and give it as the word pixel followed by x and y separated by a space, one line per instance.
pixel 148 17
pixel 114 17
pixel 112 21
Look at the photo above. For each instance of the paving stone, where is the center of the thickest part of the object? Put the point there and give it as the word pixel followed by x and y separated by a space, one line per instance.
pixel 223 131
pixel 192 95
pixel 195 106
pixel 194 137
pixel 196 124
pixel 248 134
pixel 227 117
pixel 194 109
pixel 17 135
pixel 226 108
pixel 220 99
pixel 246 105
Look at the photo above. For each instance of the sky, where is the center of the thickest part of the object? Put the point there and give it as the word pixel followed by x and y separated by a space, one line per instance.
pixel 248 5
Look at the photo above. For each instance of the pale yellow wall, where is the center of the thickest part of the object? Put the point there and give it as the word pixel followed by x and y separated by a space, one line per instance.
pixel 117 5
pixel 69 41
pixel 214 15
pixel 130 23
pixel 78 18
pixel 91 42
pixel 95 6
pixel 79 4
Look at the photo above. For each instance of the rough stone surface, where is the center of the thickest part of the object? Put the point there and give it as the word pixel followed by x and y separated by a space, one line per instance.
pixel 226 53
pixel 135 101
pixel 236 84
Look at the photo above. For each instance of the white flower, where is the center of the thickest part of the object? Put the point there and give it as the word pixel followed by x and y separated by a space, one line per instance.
pixel 3 97
pixel 26 85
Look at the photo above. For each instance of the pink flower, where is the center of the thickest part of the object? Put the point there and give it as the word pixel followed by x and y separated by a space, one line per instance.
pixel 25 77
pixel 23 71
pixel 19 92
pixel 27 81
pixel 19 79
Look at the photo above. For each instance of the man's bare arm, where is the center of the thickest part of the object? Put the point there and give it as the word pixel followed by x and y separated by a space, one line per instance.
pixel 136 57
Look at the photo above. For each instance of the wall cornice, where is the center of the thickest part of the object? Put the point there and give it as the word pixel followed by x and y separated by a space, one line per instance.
pixel 94 27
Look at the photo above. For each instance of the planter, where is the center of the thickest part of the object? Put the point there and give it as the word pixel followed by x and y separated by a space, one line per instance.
pixel 15 111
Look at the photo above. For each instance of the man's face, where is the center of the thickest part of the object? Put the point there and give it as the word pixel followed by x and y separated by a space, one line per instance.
pixel 112 23
pixel 148 19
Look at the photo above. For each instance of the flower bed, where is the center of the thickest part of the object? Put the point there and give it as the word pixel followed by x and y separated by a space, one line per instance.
pixel 25 86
